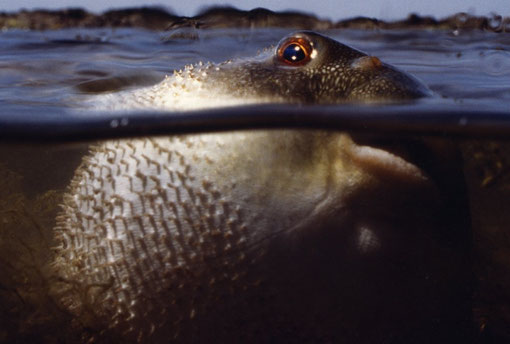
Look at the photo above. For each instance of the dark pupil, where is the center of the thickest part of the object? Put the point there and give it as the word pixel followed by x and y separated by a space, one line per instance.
pixel 294 53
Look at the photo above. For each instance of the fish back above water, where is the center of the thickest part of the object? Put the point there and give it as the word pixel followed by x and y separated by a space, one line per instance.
pixel 305 68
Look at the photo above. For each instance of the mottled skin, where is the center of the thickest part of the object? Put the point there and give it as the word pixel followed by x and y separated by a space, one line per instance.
pixel 335 73
pixel 265 236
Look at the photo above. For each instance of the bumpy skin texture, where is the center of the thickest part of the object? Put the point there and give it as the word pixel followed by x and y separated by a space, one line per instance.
pixel 161 229
pixel 336 73
pixel 262 236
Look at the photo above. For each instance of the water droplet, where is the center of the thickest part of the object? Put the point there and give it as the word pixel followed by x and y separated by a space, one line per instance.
pixel 497 63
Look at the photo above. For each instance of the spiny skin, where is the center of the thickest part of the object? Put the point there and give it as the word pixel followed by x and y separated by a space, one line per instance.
pixel 335 74
pixel 259 236
pixel 185 219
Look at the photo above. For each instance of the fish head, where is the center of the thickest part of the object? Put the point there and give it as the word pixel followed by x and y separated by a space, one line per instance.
pixel 309 68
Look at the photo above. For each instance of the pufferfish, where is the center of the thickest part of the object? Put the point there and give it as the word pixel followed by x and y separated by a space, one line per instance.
pixel 269 235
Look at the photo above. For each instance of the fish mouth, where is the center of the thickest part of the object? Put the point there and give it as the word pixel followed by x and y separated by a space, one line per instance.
pixel 401 159
pixel 429 169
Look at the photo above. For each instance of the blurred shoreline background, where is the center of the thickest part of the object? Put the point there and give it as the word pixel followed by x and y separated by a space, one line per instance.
pixel 331 10
pixel 159 18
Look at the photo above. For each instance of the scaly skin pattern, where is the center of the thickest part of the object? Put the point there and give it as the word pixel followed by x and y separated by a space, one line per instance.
pixel 185 219
pixel 259 236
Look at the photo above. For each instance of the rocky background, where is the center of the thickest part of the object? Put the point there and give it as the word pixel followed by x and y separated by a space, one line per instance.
pixel 154 18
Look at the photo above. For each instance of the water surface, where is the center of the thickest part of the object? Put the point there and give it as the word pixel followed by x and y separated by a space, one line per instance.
pixel 52 67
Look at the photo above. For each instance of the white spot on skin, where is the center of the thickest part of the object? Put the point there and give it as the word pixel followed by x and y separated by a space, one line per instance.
pixel 367 240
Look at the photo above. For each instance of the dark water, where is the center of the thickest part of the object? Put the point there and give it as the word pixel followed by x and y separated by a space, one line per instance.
pixel 45 75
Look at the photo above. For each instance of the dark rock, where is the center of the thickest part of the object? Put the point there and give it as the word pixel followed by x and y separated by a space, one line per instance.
pixel 217 17
pixel 362 23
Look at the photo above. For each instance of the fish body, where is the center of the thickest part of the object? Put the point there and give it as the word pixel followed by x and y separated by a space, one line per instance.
pixel 261 236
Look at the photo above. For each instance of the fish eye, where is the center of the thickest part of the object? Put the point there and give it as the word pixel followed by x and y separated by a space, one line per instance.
pixel 295 51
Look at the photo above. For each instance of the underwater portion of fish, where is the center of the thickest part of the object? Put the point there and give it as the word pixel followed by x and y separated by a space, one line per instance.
pixel 258 235
pixel 267 236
